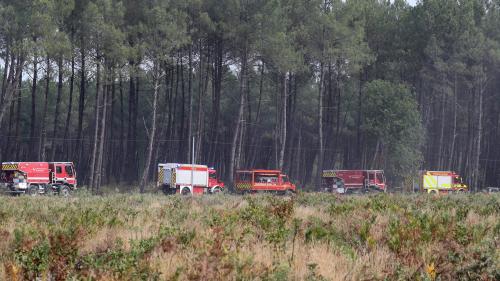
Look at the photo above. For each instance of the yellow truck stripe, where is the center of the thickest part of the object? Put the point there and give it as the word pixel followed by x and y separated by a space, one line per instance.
pixel 430 182
pixel 9 167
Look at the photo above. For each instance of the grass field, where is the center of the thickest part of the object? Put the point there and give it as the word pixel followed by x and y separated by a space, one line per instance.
pixel 309 237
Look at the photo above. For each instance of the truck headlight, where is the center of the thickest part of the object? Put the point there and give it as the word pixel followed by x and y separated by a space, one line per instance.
pixel 22 185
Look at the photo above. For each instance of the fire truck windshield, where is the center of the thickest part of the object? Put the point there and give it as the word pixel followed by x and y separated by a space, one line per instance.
pixel 7 176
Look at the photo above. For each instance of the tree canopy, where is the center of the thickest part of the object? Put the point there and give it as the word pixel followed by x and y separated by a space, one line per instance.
pixel 117 86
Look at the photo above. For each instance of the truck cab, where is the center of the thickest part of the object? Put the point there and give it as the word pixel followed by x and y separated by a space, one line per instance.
pixel 63 173
pixel 214 183
pixel 375 179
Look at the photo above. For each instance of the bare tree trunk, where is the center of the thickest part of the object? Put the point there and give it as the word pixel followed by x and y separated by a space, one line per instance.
pixel 239 121
pixel 255 137
pixel 18 119
pixel 181 130
pixel 441 134
pixel 42 156
pixel 58 104
pixel 12 79
pixel 68 145
pixel 123 141
pixel 375 155
pixel 201 111
pixel 81 105
pixel 130 143
pixel 454 134
pixel 284 122
pixel 100 154
pixel 319 171
pixel 111 152
pixel 9 100
pixel 476 172
pixel 96 129
pixel 190 101
pixel 33 104
pixel 152 134
pixel 5 71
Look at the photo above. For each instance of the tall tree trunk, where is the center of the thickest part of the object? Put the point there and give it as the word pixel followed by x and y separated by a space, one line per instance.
pixel 81 105
pixel 284 122
pixel 111 133
pixel 58 104
pixel 255 137
pixel 68 145
pixel 130 143
pixel 319 168
pixel 454 133
pixel 217 89
pixel 18 119
pixel 9 136
pixel 93 162
pixel 479 133
pixel 5 72
pixel 100 154
pixel 441 133
pixel 152 134
pixel 190 101
pixel 42 156
pixel 33 104
pixel 182 122
pixel 201 111
pixel 123 141
pixel 12 80
pixel 239 121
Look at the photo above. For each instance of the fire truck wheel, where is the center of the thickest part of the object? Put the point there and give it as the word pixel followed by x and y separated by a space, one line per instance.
pixel 433 191
pixel 33 190
pixel 289 192
pixel 216 190
pixel 64 191
pixel 186 191
pixel 49 190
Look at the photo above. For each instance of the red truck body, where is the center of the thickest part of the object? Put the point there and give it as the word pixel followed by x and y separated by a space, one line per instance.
pixel 38 177
pixel 346 181
pixel 263 180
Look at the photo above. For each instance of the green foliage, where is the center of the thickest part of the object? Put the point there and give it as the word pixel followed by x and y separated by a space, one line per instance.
pixel 392 118
pixel 248 237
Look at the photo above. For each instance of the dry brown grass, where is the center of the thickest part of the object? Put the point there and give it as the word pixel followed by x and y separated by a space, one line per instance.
pixel 248 238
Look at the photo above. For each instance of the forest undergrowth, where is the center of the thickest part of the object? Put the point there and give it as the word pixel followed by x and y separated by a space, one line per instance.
pixel 261 237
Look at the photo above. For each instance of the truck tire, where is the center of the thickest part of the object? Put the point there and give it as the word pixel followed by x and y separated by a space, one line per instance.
pixel 64 191
pixel 185 191
pixel 216 190
pixel 166 189
pixel 32 190
pixel 289 192
pixel 49 190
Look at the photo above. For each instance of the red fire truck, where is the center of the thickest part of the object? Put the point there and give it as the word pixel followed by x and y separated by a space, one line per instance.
pixel 249 181
pixel 353 181
pixel 188 179
pixel 36 178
